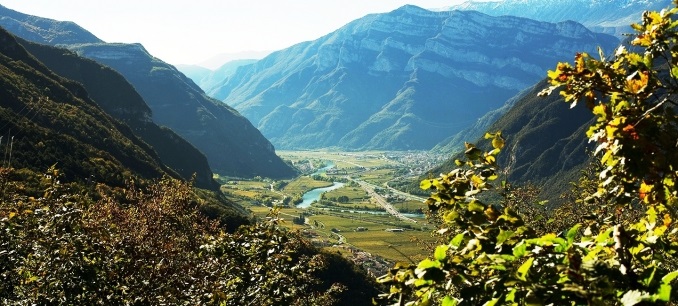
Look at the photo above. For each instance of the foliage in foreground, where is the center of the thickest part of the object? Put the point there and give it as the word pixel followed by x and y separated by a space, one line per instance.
pixel 151 246
pixel 493 257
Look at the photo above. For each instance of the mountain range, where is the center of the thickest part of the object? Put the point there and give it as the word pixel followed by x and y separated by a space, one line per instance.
pixel 119 99
pixel 207 78
pixel 402 80
pixel 49 120
pixel 231 144
pixel 546 142
pixel 607 16
pixel 408 79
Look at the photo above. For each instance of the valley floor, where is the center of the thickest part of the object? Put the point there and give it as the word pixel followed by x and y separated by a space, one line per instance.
pixel 363 218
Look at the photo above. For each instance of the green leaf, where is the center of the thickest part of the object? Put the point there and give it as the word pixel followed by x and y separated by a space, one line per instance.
pixel 476 206
pixel 492 302
pixel 448 301
pixel 457 240
pixel 674 72
pixel 511 296
pixel 572 233
pixel 664 293
pixel 648 280
pixel 441 252
pixel 669 277
pixel 520 250
pixel 427 264
pixel 503 236
pixel 521 273
pixel 451 216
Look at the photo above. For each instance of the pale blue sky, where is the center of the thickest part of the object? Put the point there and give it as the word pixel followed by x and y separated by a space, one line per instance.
pixel 189 32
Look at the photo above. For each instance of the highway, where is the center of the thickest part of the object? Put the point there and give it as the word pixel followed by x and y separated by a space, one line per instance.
pixel 369 188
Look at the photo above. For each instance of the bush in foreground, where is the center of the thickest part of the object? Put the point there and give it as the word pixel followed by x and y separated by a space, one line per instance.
pixel 75 245
pixel 492 256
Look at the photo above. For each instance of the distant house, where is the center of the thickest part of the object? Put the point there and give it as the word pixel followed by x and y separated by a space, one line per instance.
pixel 394 230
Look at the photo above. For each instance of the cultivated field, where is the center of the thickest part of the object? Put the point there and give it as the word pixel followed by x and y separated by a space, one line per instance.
pixel 329 221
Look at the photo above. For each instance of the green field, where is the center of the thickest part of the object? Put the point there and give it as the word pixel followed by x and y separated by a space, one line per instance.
pixel 343 160
pixel 376 239
pixel 304 184
pixel 322 217
pixel 377 177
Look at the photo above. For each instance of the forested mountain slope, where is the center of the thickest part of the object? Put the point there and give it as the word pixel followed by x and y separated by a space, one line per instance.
pixel 118 98
pixel 228 140
pixel 47 120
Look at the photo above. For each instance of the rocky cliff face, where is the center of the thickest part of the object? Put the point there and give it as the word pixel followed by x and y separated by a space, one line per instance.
pixel 608 16
pixel 229 141
pixel 402 80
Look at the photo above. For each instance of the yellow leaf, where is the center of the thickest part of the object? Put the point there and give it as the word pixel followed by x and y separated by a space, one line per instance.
pixel 610 130
pixel 599 110
pixel 11 215
pixel 644 190
pixel 637 82
pixel 477 180
pixel 425 184
pixel 498 141
pixel 579 61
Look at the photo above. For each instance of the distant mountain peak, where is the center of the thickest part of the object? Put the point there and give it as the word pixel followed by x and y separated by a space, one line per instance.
pixel 608 16
pixel 45 30
pixel 412 9
pixel 400 80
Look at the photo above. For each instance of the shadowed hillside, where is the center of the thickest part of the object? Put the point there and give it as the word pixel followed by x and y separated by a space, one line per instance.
pixel 545 142
pixel 231 144
pixel 119 99
pixel 49 120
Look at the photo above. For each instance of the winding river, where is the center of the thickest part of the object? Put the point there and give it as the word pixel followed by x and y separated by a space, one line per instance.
pixel 314 195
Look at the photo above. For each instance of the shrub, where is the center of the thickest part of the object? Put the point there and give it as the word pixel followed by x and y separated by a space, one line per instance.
pixel 491 256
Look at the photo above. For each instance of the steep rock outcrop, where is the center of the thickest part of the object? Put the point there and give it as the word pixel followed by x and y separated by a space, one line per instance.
pixel 607 16
pixel 401 80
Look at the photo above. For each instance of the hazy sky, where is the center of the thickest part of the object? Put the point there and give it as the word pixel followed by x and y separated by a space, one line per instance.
pixel 189 32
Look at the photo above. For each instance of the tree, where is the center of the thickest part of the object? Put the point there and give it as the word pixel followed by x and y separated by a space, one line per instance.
pixel 148 244
pixel 493 258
